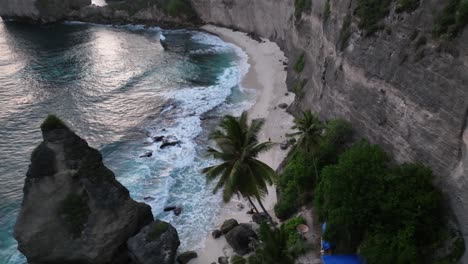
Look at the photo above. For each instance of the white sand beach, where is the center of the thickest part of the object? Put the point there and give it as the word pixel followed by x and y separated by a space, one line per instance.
pixel 266 75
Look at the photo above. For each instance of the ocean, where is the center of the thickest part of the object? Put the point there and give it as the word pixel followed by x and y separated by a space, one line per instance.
pixel 117 87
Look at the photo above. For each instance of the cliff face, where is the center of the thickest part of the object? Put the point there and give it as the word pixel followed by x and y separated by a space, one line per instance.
pixel 74 210
pixel 400 87
pixel 40 10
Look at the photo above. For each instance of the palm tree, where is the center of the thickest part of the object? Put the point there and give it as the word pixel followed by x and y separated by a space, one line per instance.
pixel 273 248
pixel 240 172
pixel 309 131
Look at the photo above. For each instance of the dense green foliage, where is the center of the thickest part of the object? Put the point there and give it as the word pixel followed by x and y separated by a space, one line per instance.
pixel 238 147
pixel 300 63
pixel 52 122
pixel 300 175
pixel 174 8
pixel 157 230
pixel 295 242
pixel 326 10
pixel 179 7
pixel 301 6
pixel 273 248
pixel 452 20
pixel 236 259
pixel 74 210
pixel 407 5
pixel 384 211
pixel 345 32
pixel 370 13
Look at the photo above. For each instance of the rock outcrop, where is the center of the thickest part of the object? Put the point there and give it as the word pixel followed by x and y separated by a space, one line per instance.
pixel 73 209
pixel 155 243
pixel 43 11
pixel 240 238
pixel 400 87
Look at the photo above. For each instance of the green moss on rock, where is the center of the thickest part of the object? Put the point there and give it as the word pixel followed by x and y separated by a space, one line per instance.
pixel 74 210
pixel 300 64
pixel 157 230
pixel 52 122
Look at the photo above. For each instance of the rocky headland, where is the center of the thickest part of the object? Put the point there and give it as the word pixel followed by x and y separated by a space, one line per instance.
pixel 75 211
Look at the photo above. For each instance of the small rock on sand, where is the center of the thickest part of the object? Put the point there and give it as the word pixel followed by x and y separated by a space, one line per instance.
pixel 283 106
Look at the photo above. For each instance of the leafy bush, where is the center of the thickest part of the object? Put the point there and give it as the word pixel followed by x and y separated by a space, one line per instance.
pixel 383 210
pixel 298 88
pixel 326 10
pixel 452 20
pixel 273 248
pixel 179 7
pixel 301 6
pixel 407 5
pixel 370 13
pixel 295 242
pixel 74 210
pixel 345 32
pixel 52 122
pixel 300 63
pixel 157 230
pixel 236 259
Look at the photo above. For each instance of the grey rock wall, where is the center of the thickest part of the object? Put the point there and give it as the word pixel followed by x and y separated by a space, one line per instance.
pixel 411 99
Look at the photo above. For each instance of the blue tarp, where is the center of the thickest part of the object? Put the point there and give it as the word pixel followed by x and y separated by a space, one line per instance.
pixel 342 259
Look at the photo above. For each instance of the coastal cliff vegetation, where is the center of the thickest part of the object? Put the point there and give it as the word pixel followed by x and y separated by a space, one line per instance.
pixel 371 205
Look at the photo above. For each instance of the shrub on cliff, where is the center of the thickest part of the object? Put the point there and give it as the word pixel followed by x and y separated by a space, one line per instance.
pixel 301 6
pixel 300 63
pixel 157 230
pixel 452 20
pixel 382 211
pixel 52 122
pixel 75 211
pixel 370 13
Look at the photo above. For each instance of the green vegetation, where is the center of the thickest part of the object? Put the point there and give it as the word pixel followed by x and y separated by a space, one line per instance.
pixel 52 122
pixel 314 151
pixel 365 200
pixel 241 172
pixel 452 20
pixel 345 32
pixel 295 242
pixel 273 248
pixel 407 5
pixel 301 6
pixel 74 210
pixel 298 88
pixel 326 10
pixel 174 8
pixel 177 8
pixel 300 63
pixel 370 13
pixel 157 230
pixel 236 259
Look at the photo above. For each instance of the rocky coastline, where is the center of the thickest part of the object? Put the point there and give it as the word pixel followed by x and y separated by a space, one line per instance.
pixel 75 211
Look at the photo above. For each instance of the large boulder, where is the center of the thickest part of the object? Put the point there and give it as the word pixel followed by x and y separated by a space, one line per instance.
pixel 155 243
pixel 74 210
pixel 240 238
pixel 228 225
pixel 186 257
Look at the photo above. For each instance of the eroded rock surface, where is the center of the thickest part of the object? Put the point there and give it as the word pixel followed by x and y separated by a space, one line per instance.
pixel 74 210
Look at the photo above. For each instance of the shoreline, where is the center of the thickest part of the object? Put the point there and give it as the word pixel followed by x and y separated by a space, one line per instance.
pixel 266 75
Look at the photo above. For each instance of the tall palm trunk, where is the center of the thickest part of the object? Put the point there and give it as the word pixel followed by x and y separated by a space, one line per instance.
pixel 264 210
pixel 253 205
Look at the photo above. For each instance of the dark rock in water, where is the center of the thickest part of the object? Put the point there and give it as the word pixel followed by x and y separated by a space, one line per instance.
pixel 240 237
pixel 223 260
pixel 74 210
pixel 147 154
pixel 284 145
pixel 155 243
pixel 158 138
pixel 259 218
pixel 228 225
pixel 185 257
pixel 170 141
pixel 283 106
pixel 216 233
pixel 177 211
pixel 169 208
pixel 148 198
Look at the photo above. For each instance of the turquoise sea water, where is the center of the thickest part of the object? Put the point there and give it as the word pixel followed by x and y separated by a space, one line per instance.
pixel 116 86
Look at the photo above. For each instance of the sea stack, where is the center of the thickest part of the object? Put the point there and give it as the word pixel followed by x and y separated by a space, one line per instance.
pixel 74 210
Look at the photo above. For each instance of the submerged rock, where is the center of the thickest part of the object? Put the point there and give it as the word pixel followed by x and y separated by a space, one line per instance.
pixel 155 243
pixel 170 141
pixel 74 210
pixel 177 211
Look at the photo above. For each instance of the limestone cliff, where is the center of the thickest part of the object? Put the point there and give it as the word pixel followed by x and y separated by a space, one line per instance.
pixel 73 209
pixel 400 87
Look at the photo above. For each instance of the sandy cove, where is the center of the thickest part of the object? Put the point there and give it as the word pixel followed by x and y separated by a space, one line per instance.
pixel 267 76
